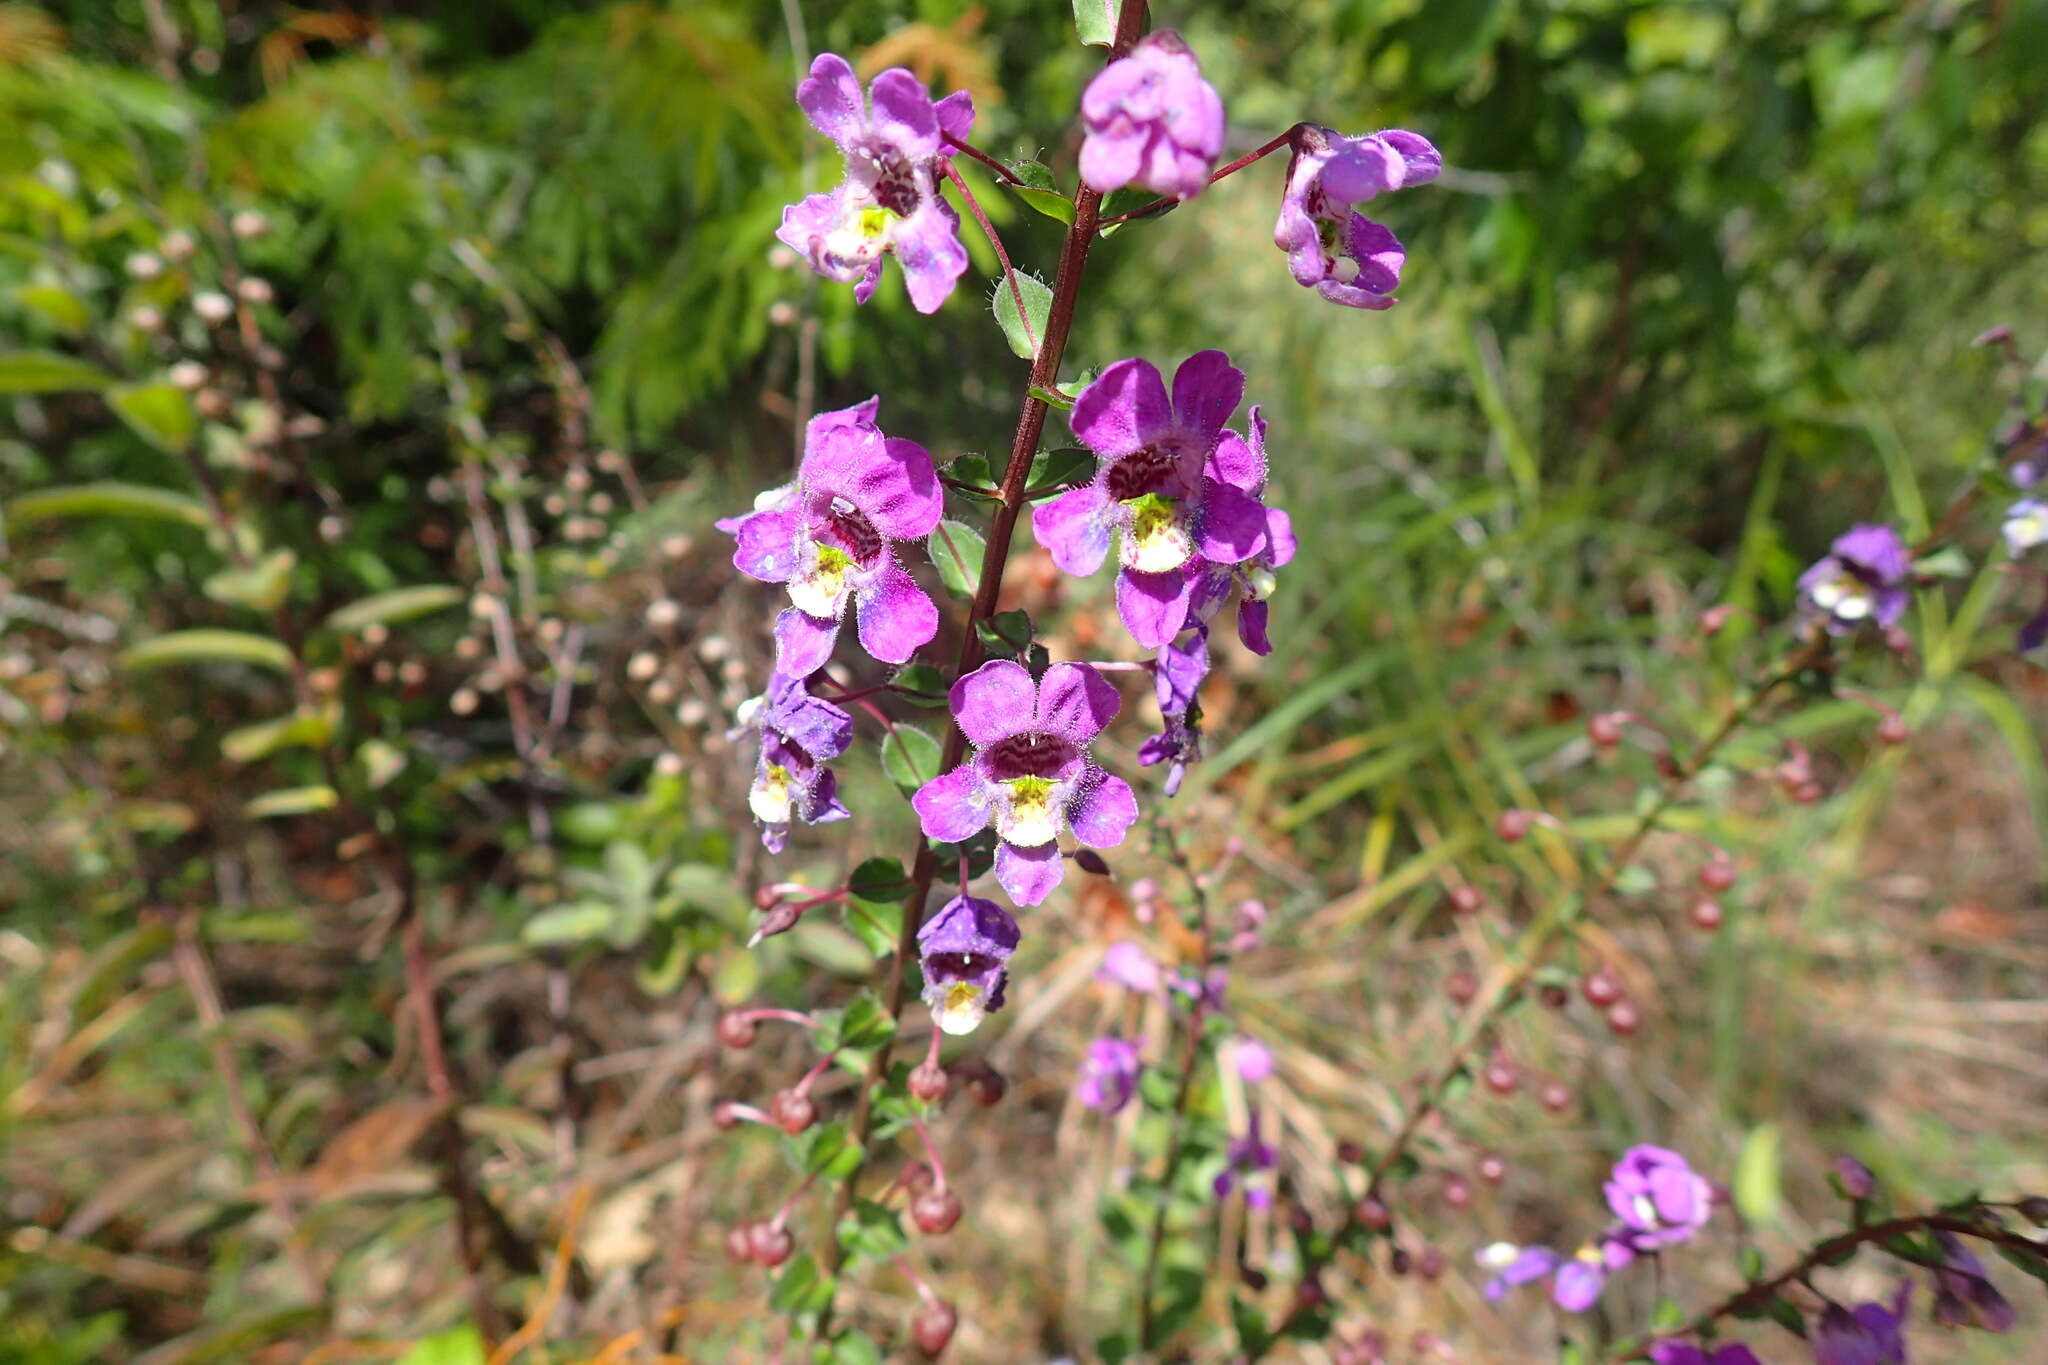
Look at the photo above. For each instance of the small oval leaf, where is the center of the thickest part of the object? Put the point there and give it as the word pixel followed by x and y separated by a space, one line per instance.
pixel 399 604
pixel 207 647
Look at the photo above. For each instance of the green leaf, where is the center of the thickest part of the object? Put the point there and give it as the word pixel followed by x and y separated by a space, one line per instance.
pixel 60 308
pixel 853 1347
pixel 462 1345
pixel 380 761
pixel 1037 307
pixel 1948 562
pixel 826 1150
pixel 865 1025
pixel 1129 201
pixel 1052 398
pixel 1095 21
pixel 48 372
pixel 260 587
pixel 1787 1316
pixel 1667 1316
pixel 1007 632
pixel 1569 1353
pixel 957 550
pixel 1751 1263
pixel 910 756
pixel 399 604
pixel 800 1290
pixel 2033 1263
pixel 1040 191
pixel 920 685
pixel 159 413
pixel 872 1231
pixel 207 647
pixel 293 801
pixel 1059 468
pixel 972 469
pixel 879 879
pixel 877 924
pixel 303 728
pixel 111 499
pixel 1758 1186
pixel 567 925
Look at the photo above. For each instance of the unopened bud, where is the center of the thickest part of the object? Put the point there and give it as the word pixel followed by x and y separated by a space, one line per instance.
pixel 1430 1263
pixel 1556 1096
pixel 1372 1212
pixel 932 1328
pixel 1717 874
pixel 1501 1075
pixel 213 307
pixel 772 1244
pixel 1893 729
pixel 249 223
pixel 188 375
pixel 1492 1168
pixel 2034 1209
pixel 1705 914
pixel 725 1114
pixel 1400 1263
pixel 144 318
pixel 935 1211
pixel 1461 987
pixel 1624 1018
pixel 1457 1192
pixel 736 1030
pixel 987 1086
pixel 1466 898
pixel 792 1112
pixel 1553 995
pixel 1351 1152
pixel 1604 729
pixel 1715 619
pixel 144 265
pixel 928 1082
pixel 255 289
pixel 1992 336
pixel 1513 824
pixel 739 1242
pixel 1806 793
pixel 1600 988
pixel 1855 1178
pixel 1088 860
pixel 780 919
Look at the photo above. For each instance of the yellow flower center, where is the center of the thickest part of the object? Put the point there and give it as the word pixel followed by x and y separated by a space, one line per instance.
pixel 1844 596
pixel 960 1008
pixel 770 798
pixel 817 593
pixel 1031 820
pixel 1155 542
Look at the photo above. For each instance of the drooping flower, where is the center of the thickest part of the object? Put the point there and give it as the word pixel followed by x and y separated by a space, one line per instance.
pixel 799 735
pixel 1659 1199
pixel 1030 774
pixel 1861 578
pixel 1964 1294
pixel 1240 462
pixel 1868 1334
pixel 889 203
pixel 1109 1075
pixel 1151 491
pixel 1152 121
pixel 1246 1160
pixel 828 537
pixel 1127 964
pixel 963 951
pixel 2025 526
pixel 1685 1353
pixel 1176 677
pixel 1331 247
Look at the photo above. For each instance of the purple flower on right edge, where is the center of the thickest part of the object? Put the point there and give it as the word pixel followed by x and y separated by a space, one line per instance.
pixel 1863 577
pixel 1331 247
pixel 1153 493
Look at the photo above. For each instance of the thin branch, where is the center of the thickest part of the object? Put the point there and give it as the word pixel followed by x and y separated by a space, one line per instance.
pixel 1162 205
pixel 1009 271
pixel 1009 176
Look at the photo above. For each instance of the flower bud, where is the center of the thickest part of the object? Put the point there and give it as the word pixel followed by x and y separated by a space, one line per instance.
pixel 1600 988
pixel 792 1111
pixel 1705 914
pixel 928 1082
pixel 144 318
pixel 1512 825
pixel 739 1242
pixel 1492 1168
pixel 1553 995
pixel 726 1114
pixel 2034 1209
pixel 188 375
pixel 933 1328
pixel 780 919
pixel 213 307
pixel 772 1244
pixel 248 223
pixel 144 265
pixel 1623 1018
pixel 935 1211
pixel 1500 1074
pixel 1715 619
pixel 987 1086
pixel 1372 1212
pixel 1400 1263
pixel 1457 1192
pixel 1466 898
pixel 1855 1178
pixel 1893 729
pixel 1555 1096
pixel 1604 729
pixel 1351 1152
pixel 1430 1263
pixel 1088 860
pixel 254 289
pixel 1806 793
pixel 1717 874
pixel 736 1030
pixel 1254 1278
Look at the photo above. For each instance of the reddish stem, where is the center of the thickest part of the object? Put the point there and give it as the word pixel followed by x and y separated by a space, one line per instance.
pixel 1162 205
pixel 1009 176
pixel 1009 271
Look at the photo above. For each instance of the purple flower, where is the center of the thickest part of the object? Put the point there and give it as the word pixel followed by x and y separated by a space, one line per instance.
pixel 1575 1280
pixel 1855 1178
pixel 1152 121
pixel 1964 1294
pixel 1240 462
pixel 1659 1199
pixel 1245 1161
pixel 827 536
pixel 1861 578
pixel 799 734
pixel 1513 1266
pixel 962 951
pixel 1176 676
pixel 1330 246
pixel 1151 489
pixel 1869 1334
pixel 1252 1059
pixel 2025 526
pixel 1685 1353
pixel 1128 965
pixel 1030 775
pixel 1109 1075
pixel 889 203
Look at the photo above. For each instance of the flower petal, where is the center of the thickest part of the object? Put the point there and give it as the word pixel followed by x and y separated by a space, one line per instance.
pixel 830 96
pixel 1124 410
pixel 1206 390
pixel 952 806
pixel 1251 625
pixel 1577 1286
pixel 956 116
pixel 890 480
pixel 927 246
pixel 767 546
pixel 1280 543
pixel 1029 874
pixel 1110 156
pixel 995 701
pixel 903 113
pixel 1362 168
pixel 1075 529
pixel 1154 605
pixel 1235 462
pixel 1379 254
pixel 895 616
pixel 1421 162
pixel 1233 525
pixel 1103 809
pixel 1075 702
pixel 803 642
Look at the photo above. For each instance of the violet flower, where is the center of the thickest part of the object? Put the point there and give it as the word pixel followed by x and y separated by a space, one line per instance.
pixel 1660 1200
pixel 1240 462
pixel 1869 1334
pixel 1331 247
pixel 1576 1281
pixel 1246 1160
pixel 889 203
pixel 1250 1058
pixel 1030 774
pixel 1176 676
pixel 1862 578
pixel 1685 1353
pixel 828 537
pixel 1152 121
pixel 2025 526
pixel 963 951
pixel 1109 1075
pixel 1127 964
pixel 799 734
pixel 1151 489
pixel 1964 1294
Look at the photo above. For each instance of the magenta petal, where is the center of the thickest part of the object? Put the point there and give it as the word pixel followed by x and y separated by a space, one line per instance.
pixel 1233 525
pixel 1234 462
pixel 1280 545
pixel 767 547
pixel 1577 1286
pixel 956 116
pixel 1251 625
pixel 1361 169
pixel 802 642
pixel 995 701
pixel 1421 161
pixel 1379 254
pixel 1029 874
pixel 805 225
pixel 1351 296
pixel 927 246
pixel 1124 410
pixel 895 618
pixel 952 806
pixel 1074 528
pixel 1154 605
pixel 830 95
pixel 865 290
pixel 1075 702
pixel 903 113
pixel 1206 390
pixel 1110 158
pixel 1105 807
pixel 890 480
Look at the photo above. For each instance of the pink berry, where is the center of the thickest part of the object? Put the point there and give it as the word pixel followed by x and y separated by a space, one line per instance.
pixel 792 1111
pixel 935 1211
pixel 933 1328
pixel 1600 988
pixel 1706 914
pixel 735 1030
pixel 1717 875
